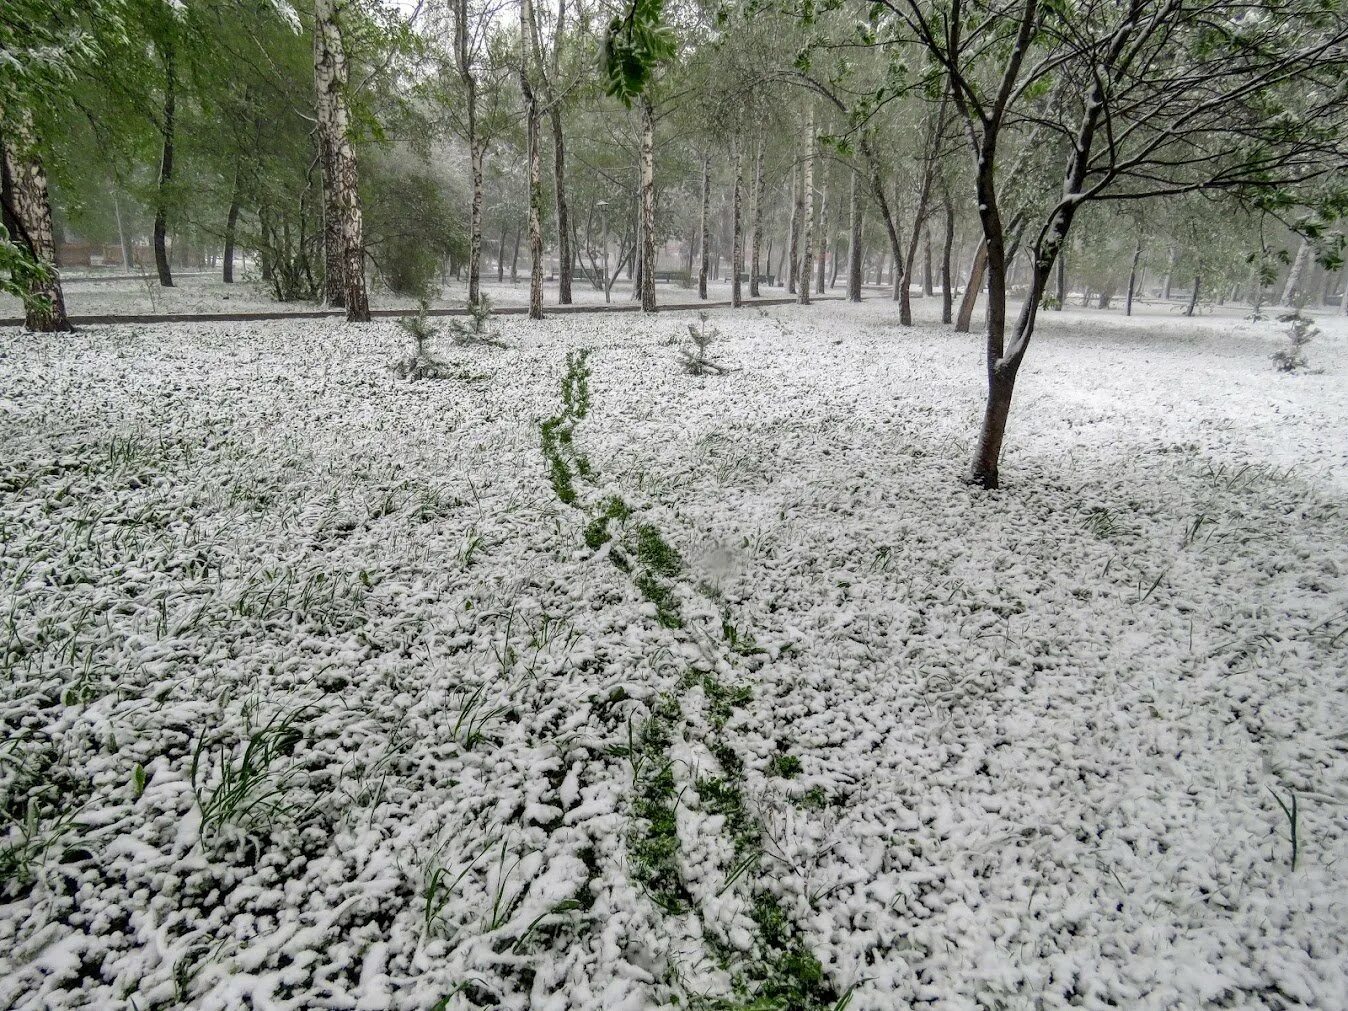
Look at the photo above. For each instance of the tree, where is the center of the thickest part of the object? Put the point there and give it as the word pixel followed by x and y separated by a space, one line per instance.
pixel 1149 98
pixel 330 76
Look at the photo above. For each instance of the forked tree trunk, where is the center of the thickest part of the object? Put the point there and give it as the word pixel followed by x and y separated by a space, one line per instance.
pixel 27 215
pixel 947 294
pixel 1291 291
pixel 331 75
pixel 1132 278
pixel 161 262
pixel 807 210
pixel 754 267
pixel 647 203
pixel 704 229
pixel 854 242
pixel 737 230
pixel 534 162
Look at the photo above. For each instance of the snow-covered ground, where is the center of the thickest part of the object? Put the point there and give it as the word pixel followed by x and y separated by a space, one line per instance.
pixel 576 682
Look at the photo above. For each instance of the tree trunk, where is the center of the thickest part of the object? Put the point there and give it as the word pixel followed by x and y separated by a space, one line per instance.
pixel 797 206
pixel 1132 278
pixel 477 155
pixel 704 229
pixel 754 266
pixel 165 171
pixel 971 290
pixel 647 203
pixel 1193 296
pixel 231 228
pixel 1291 292
pixel 823 240
pixel 947 294
pixel 531 119
pixel 807 210
pixel 515 258
pixel 331 75
pixel 563 212
pixel 1343 302
pixel 854 242
pixel 1062 283
pixel 121 232
pixel 737 233
pixel 928 288
pixel 500 257
pixel 27 215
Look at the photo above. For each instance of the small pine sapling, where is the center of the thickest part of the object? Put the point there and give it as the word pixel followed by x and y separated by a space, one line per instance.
pixel 695 360
pixel 421 364
pixel 1300 332
pixel 477 331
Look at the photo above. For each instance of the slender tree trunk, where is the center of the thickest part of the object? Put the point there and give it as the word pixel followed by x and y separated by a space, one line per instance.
pixel 564 255
pixel 704 229
pixel 737 230
pixel 807 209
pixel 477 155
pixel 334 284
pixel 1291 292
pixel 1132 277
pixel 928 288
pixel 231 228
pixel 27 216
pixel 1062 283
pixel 976 271
pixel 854 242
pixel 756 242
pixel 165 170
pixel 1193 295
pixel 1343 302
pixel 647 203
pixel 821 259
pixel 880 268
pixel 515 258
pixel 797 208
pixel 947 279
pixel 500 257
pixel 531 118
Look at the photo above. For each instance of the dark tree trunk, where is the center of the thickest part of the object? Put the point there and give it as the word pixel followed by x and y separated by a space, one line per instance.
pixel 500 258
pixel 704 229
pixel 515 258
pixel 737 228
pixel 563 212
pixel 947 294
pixel 231 228
pixel 165 171
pixel 1193 296
pixel 754 266
pixel 1062 283
pixel 928 287
pixel 854 243
pixel 1132 278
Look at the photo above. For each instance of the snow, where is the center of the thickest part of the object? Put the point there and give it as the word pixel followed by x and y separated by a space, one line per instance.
pixel 1048 724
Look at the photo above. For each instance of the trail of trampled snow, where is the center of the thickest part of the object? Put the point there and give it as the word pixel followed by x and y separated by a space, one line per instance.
pixel 1046 724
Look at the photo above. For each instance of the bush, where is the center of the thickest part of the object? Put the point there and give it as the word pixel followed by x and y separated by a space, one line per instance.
pixel 1300 332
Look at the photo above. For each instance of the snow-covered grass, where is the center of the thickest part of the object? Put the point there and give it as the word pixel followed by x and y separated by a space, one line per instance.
pixel 578 682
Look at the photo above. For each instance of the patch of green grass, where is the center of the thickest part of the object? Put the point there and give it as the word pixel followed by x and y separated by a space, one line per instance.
pixel 813 799
pixel 723 796
pixel 785 766
pixel 654 845
pixel 654 552
pixel 610 510
pixel 662 596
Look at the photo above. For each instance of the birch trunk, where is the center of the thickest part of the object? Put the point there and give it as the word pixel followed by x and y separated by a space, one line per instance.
pixel 1291 291
pixel 807 210
pixel 531 118
pixel 27 212
pixel 703 229
pixel 647 203
pixel 331 77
